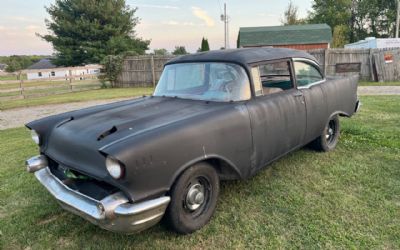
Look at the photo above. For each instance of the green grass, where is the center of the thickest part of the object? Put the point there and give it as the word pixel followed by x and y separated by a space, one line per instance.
pixel 32 84
pixel 346 199
pixel 76 97
pixel 378 83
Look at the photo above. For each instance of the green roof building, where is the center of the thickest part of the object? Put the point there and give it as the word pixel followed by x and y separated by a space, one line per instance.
pixel 303 37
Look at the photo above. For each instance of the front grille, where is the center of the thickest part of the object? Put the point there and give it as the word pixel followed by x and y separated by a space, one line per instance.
pixel 80 182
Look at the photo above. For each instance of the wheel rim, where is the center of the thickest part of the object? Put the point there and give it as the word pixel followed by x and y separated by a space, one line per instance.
pixel 197 196
pixel 331 131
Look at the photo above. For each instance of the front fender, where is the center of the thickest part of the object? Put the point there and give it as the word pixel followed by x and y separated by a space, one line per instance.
pixel 155 158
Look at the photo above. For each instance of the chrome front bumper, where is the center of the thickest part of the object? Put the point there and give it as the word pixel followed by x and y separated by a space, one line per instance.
pixel 114 213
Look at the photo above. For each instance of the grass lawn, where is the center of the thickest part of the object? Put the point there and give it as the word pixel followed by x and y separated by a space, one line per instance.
pixel 379 84
pixel 76 97
pixel 349 198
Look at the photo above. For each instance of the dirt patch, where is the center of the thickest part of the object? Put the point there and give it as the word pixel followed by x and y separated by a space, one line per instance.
pixel 51 219
pixel 379 90
pixel 19 117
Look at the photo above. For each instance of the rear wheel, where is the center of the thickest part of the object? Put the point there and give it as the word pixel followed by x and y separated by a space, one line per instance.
pixel 193 199
pixel 329 138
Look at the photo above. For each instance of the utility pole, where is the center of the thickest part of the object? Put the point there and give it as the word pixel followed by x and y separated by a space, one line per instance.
pixel 225 19
pixel 398 19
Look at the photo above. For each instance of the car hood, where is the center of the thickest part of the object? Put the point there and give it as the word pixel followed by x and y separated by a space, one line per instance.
pixel 75 142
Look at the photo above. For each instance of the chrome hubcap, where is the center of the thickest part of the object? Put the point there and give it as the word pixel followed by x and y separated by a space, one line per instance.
pixel 195 197
pixel 330 133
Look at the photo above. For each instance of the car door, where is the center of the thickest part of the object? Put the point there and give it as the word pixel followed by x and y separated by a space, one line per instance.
pixel 277 112
pixel 309 79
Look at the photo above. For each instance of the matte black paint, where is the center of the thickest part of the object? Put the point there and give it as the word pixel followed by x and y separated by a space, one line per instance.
pixel 156 138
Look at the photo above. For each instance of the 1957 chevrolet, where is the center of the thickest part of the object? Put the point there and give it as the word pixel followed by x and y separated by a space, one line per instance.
pixel 220 115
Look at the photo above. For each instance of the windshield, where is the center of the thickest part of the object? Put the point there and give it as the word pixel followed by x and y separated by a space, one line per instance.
pixel 204 81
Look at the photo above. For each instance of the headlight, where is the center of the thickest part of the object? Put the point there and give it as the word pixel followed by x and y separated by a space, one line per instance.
pixel 114 168
pixel 35 137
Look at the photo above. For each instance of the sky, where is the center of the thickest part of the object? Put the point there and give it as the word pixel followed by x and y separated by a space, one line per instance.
pixel 167 23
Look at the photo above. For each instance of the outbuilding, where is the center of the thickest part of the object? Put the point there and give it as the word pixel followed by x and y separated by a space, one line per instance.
pixel 301 37
pixel 45 69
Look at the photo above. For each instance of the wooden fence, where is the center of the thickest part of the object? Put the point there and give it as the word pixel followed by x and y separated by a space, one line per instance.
pixel 369 64
pixel 141 71
pixel 21 89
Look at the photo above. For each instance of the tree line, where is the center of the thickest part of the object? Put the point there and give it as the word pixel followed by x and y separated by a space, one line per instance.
pixel 15 63
pixel 350 20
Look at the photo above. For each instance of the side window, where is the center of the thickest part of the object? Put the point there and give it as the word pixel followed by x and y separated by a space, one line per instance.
pixel 275 77
pixel 306 74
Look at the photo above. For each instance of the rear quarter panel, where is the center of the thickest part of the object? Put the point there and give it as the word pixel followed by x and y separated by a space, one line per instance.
pixel 341 95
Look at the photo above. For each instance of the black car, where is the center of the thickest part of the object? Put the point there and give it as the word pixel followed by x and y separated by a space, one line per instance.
pixel 220 115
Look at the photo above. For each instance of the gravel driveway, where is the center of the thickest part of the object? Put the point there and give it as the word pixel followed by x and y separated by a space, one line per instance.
pixel 379 90
pixel 18 117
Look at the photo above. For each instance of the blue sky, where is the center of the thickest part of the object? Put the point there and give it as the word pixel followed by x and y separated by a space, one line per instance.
pixel 166 22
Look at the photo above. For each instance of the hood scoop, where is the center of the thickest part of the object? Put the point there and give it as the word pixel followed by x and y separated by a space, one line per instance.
pixel 107 133
pixel 65 121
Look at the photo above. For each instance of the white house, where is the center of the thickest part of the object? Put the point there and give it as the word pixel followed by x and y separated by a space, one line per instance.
pixel 3 67
pixel 375 43
pixel 44 69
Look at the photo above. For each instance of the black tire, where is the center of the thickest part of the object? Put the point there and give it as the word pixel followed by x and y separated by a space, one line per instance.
pixel 329 138
pixel 186 213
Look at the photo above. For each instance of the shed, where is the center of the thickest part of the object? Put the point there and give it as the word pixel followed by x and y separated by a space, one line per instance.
pixel 302 37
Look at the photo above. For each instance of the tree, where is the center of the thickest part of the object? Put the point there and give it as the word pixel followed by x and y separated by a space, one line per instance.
pixel 375 18
pixel 180 50
pixel 290 16
pixel 331 12
pixel 204 45
pixel 16 63
pixel 161 52
pixel 85 31
pixel 340 36
pixel 362 17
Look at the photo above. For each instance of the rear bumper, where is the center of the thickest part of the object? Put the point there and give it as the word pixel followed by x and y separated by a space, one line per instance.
pixel 114 213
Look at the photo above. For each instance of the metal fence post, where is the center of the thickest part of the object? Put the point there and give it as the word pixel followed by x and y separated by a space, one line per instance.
pixel 21 87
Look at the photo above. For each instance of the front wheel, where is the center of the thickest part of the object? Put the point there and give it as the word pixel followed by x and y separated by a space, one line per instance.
pixel 193 199
pixel 329 138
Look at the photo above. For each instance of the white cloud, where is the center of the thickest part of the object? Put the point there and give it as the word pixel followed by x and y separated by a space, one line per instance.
pixel 189 24
pixel 171 23
pixel 158 6
pixel 22 19
pixel 267 15
pixel 202 14
pixel 176 23
pixel 33 28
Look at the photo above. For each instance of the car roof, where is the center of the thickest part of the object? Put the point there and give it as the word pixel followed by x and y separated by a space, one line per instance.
pixel 243 56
